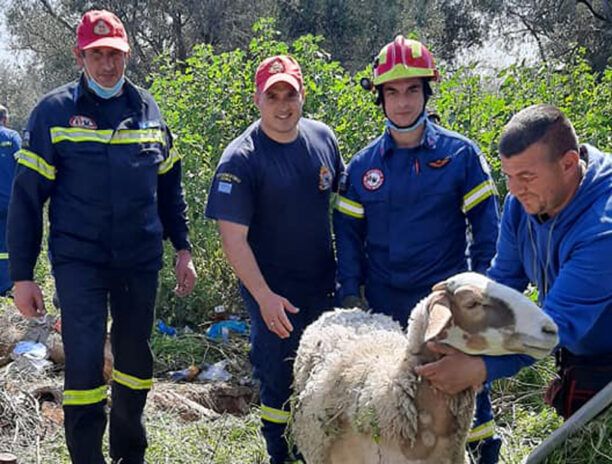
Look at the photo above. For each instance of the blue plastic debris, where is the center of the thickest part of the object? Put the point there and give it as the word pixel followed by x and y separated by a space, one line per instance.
pixel 221 330
pixel 165 329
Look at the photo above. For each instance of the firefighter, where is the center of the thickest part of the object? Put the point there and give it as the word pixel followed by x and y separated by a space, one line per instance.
pixel 270 196
pixel 410 205
pixel 10 143
pixel 99 149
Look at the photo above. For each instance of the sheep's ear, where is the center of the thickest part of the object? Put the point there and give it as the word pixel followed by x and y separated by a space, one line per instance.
pixel 440 316
pixel 440 286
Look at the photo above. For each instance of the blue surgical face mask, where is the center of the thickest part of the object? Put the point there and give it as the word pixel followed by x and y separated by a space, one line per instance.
pixel 105 92
pixel 100 90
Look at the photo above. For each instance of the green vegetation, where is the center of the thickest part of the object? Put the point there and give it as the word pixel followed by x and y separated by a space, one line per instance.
pixel 209 103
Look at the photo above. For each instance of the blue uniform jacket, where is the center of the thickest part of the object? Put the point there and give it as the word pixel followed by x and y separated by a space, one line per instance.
pixel 113 180
pixel 402 214
pixel 10 142
pixel 569 259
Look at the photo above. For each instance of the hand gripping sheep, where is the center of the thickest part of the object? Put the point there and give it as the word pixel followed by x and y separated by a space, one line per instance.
pixel 357 399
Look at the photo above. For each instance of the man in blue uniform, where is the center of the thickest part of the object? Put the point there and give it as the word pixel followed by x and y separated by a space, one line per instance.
pixel 271 195
pixel 10 143
pixel 99 149
pixel 556 233
pixel 408 204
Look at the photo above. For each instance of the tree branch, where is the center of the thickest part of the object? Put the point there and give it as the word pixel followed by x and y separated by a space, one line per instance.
pixel 58 18
pixel 593 12
pixel 533 33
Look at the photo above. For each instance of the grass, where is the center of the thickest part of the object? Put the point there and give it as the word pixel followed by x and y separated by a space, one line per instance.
pixel 227 440
pixel 523 420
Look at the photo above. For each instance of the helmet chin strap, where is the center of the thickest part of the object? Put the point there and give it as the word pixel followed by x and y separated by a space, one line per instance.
pixel 417 122
pixel 404 129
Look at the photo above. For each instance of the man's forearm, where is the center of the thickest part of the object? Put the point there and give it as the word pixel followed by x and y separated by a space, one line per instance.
pixel 242 260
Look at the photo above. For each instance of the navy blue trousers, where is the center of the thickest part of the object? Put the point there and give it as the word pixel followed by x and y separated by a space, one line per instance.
pixel 398 304
pixel 85 293
pixel 272 359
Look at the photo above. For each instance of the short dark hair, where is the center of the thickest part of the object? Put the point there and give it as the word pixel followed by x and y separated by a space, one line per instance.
pixel 3 113
pixel 427 91
pixel 544 124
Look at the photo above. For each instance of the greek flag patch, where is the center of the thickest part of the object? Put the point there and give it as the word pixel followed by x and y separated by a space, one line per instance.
pixel 225 187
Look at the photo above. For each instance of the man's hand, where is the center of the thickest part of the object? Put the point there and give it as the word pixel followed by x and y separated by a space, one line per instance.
pixel 29 299
pixel 185 273
pixel 273 307
pixel 353 301
pixel 455 371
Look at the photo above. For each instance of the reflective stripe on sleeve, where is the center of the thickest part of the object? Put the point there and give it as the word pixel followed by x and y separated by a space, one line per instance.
pixel 350 207
pixel 85 397
pixel 277 416
pixel 482 432
pixel 132 382
pixel 167 164
pixel 478 194
pixel 36 163
pixel 4 256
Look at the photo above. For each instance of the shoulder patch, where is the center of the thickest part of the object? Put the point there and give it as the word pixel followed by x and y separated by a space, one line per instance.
pixel 439 163
pixel 325 178
pixel 228 177
pixel 25 140
pixel 484 164
pixel 224 187
pixel 373 179
pixel 150 124
pixel 343 183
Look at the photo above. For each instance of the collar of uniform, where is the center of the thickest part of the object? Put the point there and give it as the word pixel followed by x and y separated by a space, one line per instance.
pixel 428 140
pixel 133 96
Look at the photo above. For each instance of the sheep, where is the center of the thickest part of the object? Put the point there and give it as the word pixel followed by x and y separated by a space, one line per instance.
pixel 357 398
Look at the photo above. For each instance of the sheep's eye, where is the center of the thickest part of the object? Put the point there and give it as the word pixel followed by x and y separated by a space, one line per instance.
pixel 472 304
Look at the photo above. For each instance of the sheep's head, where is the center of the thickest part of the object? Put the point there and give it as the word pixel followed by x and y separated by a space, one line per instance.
pixel 479 316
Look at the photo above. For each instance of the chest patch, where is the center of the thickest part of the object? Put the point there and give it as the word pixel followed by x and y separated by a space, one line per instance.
pixel 325 178
pixel 439 163
pixel 83 122
pixel 373 179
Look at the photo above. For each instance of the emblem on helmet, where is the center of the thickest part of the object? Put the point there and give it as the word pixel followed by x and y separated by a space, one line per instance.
pixel 101 28
pixel 276 67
